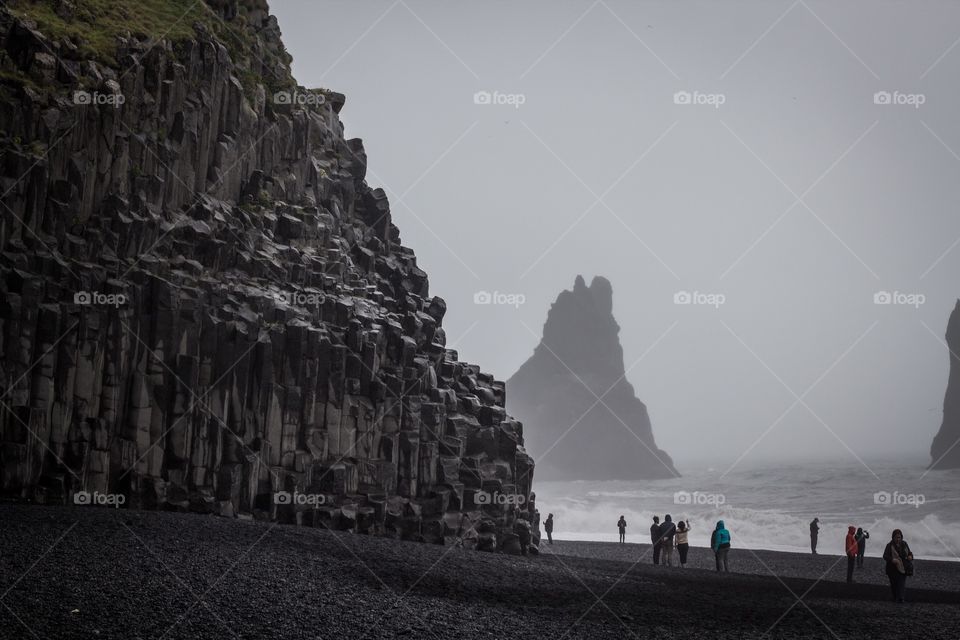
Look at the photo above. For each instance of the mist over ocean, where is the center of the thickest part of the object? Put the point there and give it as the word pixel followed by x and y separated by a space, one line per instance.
pixel 769 505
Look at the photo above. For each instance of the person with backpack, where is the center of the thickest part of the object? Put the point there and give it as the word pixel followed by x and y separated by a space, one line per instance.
pixel 851 548
pixel 548 528
pixel 720 543
pixel 667 531
pixel 622 526
pixel 862 536
pixel 655 539
pixel 683 529
pixel 899 565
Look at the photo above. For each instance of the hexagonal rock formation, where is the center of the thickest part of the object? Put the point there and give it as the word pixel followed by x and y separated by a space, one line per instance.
pixel 945 450
pixel 584 421
pixel 205 307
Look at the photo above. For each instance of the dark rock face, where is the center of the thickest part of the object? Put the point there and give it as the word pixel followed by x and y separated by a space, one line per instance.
pixel 205 307
pixel 583 419
pixel 945 450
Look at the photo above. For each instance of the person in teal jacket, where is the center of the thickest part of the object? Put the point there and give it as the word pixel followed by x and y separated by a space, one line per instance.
pixel 720 543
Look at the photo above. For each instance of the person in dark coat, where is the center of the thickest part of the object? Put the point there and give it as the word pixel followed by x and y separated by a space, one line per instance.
pixel 861 545
pixel 548 527
pixel 655 539
pixel 667 531
pixel 622 526
pixel 899 565
pixel 850 548
pixel 814 532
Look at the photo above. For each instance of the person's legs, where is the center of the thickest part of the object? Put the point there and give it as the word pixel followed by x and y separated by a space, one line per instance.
pixel 901 588
pixel 851 561
pixel 682 550
pixel 893 585
pixel 550 537
pixel 724 553
pixel 860 558
pixel 656 553
pixel 813 544
pixel 716 557
pixel 668 554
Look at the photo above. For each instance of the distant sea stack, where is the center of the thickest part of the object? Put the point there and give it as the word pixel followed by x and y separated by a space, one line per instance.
pixel 945 450
pixel 569 432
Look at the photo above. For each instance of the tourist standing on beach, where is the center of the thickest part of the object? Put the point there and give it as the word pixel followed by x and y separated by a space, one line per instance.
pixel 814 531
pixel 548 527
pixel 720 543
pixel 655 539
pixel 683 529
pixel 899 561
pixel 851 547
pixel 861 545
pixel 622 526
pixel 667 531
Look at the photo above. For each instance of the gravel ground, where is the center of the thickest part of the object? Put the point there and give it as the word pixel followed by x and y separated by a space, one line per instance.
pixel 85 572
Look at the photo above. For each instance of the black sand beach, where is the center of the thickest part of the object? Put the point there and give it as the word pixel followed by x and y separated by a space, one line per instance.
pixel 78 572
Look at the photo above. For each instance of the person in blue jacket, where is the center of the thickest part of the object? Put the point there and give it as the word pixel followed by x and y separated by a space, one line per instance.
pixel 720 543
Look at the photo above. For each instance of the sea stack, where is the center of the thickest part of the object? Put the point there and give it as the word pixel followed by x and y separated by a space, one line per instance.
pixel 205 307
pixel 583 420
pixel 945 451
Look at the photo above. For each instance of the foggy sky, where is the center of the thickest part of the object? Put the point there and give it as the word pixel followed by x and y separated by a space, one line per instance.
pixel 797 199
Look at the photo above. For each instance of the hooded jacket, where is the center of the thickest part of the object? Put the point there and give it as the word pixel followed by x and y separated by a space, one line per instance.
pixel 850 544
pixel 720 537
pixel 667 530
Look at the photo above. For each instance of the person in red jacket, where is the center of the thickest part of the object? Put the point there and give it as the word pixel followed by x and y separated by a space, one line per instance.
pixel 852 547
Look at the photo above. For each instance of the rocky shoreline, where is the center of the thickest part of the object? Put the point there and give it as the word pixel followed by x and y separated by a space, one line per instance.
pixel 82 572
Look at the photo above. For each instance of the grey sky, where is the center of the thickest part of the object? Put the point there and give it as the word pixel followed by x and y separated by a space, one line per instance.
pixel 695 198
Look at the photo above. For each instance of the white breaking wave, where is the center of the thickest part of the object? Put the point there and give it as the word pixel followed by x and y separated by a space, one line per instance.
pixel 767 510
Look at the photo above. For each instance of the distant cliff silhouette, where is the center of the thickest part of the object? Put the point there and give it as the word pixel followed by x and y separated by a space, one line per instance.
pixel 945 450
pixel 571 434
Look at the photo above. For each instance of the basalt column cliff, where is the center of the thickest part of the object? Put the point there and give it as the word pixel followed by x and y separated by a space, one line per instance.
pixel 204 305
pixel 945 451
pixel 583 420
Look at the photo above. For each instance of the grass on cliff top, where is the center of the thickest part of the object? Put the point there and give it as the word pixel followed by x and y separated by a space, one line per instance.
pixel 95 25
